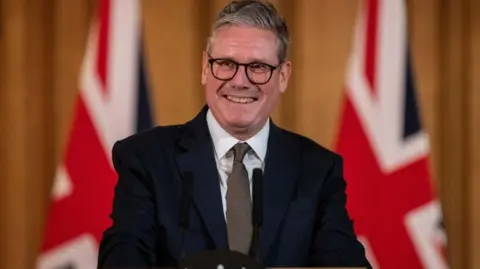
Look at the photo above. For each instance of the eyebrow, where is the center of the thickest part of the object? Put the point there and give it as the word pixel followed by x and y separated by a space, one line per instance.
pixel 253 60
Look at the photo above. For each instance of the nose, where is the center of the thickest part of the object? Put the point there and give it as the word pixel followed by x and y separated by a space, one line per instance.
pixel 240 80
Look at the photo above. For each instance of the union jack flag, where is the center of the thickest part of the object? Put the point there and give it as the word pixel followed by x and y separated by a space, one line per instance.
pixel 385 148
pixel 112 103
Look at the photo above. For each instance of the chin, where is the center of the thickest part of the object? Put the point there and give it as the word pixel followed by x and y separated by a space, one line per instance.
pixel 238 116
pixel 240 123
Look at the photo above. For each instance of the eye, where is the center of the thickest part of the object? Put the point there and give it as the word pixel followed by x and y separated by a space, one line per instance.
pixel 259 67
pixel 225 63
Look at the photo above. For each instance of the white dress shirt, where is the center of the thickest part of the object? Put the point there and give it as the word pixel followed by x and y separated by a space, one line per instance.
pixel 223 143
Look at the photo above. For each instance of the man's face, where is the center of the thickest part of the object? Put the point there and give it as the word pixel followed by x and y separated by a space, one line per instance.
pixel 238 104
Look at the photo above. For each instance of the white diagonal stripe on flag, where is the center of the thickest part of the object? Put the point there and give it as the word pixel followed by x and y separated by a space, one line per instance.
pixel 123 68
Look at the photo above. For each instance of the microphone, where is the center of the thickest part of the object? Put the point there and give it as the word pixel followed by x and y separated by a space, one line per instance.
pixel 184 211
pixel 257 214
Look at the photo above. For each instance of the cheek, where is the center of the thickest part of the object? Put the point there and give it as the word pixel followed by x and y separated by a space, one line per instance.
pixel 270 92
pixel 211 87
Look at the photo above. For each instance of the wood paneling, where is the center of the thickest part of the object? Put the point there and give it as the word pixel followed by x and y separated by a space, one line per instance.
pixel 42 46
pixel 14 144
pixel 452 126
pixel 39 46
pixel 324 31
pixel 423 30
pixel 174 52
pixel 473 157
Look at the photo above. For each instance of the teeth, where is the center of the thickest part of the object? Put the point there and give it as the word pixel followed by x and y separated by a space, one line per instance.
pixel 242 100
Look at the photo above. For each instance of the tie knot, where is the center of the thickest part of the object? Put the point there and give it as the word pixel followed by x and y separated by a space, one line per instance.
pixel 239 151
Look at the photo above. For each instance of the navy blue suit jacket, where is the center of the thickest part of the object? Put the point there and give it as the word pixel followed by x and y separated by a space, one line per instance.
pixel 305 219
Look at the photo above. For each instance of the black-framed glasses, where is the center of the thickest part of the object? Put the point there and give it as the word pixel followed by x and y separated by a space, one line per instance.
pixel 257 72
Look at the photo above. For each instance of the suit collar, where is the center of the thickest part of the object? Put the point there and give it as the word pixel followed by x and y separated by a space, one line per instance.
pixel 282 165
pixel 195 132
pixel 223 141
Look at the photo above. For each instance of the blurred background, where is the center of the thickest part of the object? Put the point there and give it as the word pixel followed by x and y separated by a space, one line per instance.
pixel 43 44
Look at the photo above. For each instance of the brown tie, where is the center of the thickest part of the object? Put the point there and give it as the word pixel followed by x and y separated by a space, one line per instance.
pixel 239 223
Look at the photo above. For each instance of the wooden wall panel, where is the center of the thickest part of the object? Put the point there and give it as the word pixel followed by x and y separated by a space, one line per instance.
pixel 324 32
pixel 13 163
pixel 39 113
pixel 473 141
pixel 423 30
pixel 452 126
pixel 3 118
pixel 174 55
pixel 42 46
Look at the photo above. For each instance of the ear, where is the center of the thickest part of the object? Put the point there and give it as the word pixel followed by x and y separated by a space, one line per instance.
pixel 284 77
pixel 204 68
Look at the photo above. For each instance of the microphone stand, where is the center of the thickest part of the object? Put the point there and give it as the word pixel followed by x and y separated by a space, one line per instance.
pixel 254 249
pixel 181 264
pixel 257 216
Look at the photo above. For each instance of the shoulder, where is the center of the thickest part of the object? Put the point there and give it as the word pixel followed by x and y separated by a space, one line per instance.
pixel 310 150
pixel 150 141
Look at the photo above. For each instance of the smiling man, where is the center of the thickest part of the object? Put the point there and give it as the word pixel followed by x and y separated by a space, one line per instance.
pixel 305 222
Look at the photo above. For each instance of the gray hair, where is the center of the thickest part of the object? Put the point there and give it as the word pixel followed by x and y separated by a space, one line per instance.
pixel 255 13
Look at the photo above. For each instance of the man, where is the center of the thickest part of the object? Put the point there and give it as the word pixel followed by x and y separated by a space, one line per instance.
pixel 305 222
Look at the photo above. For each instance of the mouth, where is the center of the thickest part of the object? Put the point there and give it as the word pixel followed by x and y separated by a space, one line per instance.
pixel 240 99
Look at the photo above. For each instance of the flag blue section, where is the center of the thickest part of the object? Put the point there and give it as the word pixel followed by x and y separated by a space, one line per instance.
pixel 412 122
pixel 144 113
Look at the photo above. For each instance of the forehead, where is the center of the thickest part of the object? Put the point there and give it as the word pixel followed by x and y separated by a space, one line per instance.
pixel 244 44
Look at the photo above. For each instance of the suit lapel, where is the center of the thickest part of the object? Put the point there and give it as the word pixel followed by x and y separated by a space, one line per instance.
pixel 196 154
pixel 281 171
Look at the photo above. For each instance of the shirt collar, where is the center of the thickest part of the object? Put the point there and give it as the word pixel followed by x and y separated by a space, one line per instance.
pixel 223 141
